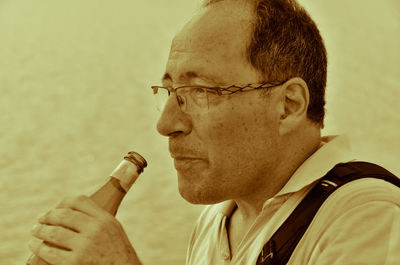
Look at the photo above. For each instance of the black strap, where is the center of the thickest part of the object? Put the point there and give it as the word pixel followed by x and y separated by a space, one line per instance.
pixel 280 247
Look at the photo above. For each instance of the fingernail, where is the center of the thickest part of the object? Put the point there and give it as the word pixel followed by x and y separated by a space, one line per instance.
pixel 41 217
pixel 31 260
pixel 34 244
pixel 34 228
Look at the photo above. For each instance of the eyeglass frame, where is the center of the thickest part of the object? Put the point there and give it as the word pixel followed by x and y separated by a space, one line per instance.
pixel 222 90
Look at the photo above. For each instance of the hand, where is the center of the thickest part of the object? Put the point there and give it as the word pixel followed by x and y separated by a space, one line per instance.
pixel 84 234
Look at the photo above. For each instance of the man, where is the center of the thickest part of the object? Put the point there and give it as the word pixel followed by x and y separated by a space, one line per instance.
pixel 243 123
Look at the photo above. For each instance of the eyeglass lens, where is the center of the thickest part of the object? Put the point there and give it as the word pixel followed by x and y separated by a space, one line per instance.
pixel 189 99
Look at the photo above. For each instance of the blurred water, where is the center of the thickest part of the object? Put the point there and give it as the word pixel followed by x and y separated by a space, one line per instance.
pixel 75 97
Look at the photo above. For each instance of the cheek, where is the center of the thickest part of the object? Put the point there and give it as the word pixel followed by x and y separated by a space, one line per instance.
pixel 237 143
pixel 240 129
pixel 239 149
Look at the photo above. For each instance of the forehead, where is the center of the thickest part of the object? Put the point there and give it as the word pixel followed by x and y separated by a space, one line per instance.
pixel 213 41
pixel 214 25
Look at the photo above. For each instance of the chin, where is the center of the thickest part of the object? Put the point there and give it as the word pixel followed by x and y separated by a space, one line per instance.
pixel 201 188
pixel 198 195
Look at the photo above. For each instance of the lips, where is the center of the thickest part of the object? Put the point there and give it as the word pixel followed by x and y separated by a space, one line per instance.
pixel 186 155
pixel 184 163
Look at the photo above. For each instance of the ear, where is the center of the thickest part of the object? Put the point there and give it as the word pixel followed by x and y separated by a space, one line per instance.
pixel 295 99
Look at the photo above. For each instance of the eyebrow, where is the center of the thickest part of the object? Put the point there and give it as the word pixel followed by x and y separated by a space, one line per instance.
pixel 191 75
pixel 187 75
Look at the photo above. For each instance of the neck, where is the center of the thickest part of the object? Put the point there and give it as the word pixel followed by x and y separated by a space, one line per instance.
pixel 250 206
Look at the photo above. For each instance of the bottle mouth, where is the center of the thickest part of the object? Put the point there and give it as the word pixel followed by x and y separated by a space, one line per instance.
pixel 136 159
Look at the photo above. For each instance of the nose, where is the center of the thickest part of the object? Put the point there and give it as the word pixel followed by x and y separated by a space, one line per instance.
pixel 173 121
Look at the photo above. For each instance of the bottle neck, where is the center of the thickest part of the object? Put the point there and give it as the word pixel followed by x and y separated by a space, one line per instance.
pixel 109 196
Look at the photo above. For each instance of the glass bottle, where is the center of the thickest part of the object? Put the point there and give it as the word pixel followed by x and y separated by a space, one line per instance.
pixel 110 195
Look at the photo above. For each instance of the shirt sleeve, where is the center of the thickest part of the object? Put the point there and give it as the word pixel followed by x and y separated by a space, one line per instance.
pixel 365 234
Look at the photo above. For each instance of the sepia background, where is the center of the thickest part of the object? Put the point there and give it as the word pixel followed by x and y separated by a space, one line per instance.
pixel 75 80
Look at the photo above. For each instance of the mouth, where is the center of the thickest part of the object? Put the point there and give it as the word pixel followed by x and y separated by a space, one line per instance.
pixel 184 163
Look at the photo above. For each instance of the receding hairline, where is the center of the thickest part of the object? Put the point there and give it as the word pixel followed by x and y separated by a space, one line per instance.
pixel 197 27
pixel 292 47
pixel 206 3
pixel 250 4
pixel 244 21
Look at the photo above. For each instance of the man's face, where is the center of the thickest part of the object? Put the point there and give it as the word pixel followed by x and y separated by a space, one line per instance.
pixel 230 151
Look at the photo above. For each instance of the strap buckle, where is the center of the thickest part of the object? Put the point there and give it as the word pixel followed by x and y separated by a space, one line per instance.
pixel 267 254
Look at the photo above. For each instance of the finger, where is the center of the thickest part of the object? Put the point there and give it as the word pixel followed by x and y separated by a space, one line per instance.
pixel 56 235
pixel 48 253
pixel 83 204
pixel 33 259
pixel 65 217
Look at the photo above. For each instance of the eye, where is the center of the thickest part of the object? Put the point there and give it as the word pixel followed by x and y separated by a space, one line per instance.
pixel 181 100
pixel 198 92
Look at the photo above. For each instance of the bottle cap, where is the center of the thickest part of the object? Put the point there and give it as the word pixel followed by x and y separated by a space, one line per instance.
pixel 136 159
pixel 129 169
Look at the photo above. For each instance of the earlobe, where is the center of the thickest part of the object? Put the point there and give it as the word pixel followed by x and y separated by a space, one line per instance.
pixel 296 100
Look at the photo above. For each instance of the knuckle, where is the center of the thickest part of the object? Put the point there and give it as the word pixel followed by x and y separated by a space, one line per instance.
pixel 79 254
pixel 52 233
pixel 55 216
pixel 34 245
pixel 98 227
pixel 80 198
pixel 73 258
pixel 71 201
pixel 61 214
pixel 48 252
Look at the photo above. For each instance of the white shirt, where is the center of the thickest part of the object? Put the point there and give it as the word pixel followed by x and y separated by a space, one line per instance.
pixel 358 224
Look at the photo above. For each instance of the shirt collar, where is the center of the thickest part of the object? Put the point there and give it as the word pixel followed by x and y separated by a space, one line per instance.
pixel 332 150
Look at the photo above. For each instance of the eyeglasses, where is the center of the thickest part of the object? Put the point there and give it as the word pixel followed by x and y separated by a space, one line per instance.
pixel 196 99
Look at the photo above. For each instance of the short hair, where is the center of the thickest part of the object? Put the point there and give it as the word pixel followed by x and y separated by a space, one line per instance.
pixel 286 43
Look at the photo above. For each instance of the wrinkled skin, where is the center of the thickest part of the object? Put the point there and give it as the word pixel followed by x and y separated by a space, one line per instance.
pixel 231 151
pixel 87 233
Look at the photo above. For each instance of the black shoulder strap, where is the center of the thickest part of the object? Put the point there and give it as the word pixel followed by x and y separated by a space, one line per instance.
pixel 279 248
